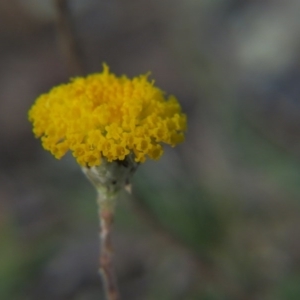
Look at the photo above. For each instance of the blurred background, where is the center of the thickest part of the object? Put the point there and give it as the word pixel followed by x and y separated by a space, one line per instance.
pixel 216 218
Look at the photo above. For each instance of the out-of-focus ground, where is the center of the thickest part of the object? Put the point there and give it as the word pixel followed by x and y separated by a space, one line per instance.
pixel 216 218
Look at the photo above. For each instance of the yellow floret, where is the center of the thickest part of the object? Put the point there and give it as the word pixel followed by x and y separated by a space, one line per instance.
pixel 103 115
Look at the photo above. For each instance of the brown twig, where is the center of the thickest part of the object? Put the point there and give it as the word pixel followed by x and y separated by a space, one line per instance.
pixel 70 46
pixel 106 255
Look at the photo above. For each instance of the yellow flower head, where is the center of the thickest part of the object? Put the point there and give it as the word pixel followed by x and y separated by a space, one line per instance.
pixel 103 115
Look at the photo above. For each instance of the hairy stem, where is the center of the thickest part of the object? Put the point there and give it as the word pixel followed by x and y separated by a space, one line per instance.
pixel 109 178
pixel 106 254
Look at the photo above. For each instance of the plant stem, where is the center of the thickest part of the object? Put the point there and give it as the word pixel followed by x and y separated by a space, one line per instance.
pixel 109 178
pixel 69 44
pixel 106 254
